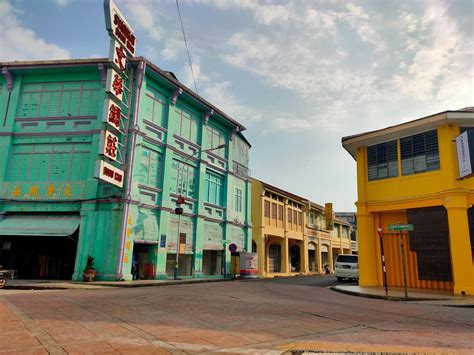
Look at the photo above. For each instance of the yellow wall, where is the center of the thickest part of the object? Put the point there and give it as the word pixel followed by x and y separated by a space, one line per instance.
pixel 385 202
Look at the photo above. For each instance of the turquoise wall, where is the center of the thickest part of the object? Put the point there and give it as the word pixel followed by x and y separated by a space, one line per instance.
pixel 49 137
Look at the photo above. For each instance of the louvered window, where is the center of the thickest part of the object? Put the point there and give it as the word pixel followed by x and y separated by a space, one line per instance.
pixel 420 153
pixel 59 99
pixel 49 162
pixel 382 161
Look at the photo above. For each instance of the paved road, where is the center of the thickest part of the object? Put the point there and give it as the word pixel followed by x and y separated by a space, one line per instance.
pixel 270 316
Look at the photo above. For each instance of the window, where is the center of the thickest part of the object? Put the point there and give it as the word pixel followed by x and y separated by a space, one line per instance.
pixel 59 99
pixel 280 213
pixel 419 153
pixel 216 138
pixel 382 161
pixel 290 215
pixel 49 162
pixel 238 200
pixel 266 209
pixel 187 126
pixel 295 217
pixel 183 178
pixel 300 218
pixel 274 211
pixel 214 188
pixel 154 105
pixel 150 166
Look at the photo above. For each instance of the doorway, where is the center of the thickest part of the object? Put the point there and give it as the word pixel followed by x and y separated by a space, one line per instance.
pixel 274 257
pixel 295 257
pixel 144 260
pixel 312 257
pixel 39 257
pixel 212 262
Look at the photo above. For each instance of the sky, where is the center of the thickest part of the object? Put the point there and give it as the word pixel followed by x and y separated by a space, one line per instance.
pixel 298 74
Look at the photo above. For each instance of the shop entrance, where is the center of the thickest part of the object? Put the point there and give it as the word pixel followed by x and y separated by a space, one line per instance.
pixel 295 257
pixel 38 257
pixel 144 260
pixel 312 257
pixel 39 246
pixel 324 255
pixel 184 265
pixel 274 257
pixel 212 262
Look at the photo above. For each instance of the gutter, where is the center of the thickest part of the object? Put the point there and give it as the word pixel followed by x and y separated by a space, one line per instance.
pixel 127 193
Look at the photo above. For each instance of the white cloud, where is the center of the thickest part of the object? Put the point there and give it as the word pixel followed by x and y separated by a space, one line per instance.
pixel 21 43
pixel 442 64
pixel 63 3
pixel 219 94
pixel 142 14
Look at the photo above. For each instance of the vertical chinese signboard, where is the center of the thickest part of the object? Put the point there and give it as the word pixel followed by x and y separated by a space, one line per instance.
pixel 109 167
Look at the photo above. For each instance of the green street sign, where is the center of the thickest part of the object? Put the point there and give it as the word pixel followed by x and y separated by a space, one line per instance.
pixel 400 227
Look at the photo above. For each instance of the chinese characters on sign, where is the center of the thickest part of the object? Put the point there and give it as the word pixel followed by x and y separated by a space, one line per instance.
pixel 122 46
pixel 110 145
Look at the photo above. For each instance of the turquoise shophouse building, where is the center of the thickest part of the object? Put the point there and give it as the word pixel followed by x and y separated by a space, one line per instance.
pixel 55 211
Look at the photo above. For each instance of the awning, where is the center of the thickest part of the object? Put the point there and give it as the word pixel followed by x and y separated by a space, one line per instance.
pixel 39 225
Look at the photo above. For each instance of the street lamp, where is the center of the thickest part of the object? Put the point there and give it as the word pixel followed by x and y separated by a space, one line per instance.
pixel 180 200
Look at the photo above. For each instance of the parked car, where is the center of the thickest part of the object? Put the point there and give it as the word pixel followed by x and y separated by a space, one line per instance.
pixel 347 266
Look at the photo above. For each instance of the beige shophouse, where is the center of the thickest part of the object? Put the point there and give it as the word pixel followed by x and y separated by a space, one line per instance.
pixel 292 235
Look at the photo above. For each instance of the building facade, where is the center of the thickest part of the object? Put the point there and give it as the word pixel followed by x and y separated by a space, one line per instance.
pixel 350 217
pixel 291 235
pixel 410 174
pixel 55 212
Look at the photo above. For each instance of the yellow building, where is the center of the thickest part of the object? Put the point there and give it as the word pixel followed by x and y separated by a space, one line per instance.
pixel 409 174
pixel 290 233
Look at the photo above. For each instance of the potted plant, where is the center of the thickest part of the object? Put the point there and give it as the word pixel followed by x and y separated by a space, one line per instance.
pixel 90 273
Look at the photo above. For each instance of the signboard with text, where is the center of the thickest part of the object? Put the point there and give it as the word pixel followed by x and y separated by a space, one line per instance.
pixel 464 147
pixel 122 47
pixel 109 173
pixel 400 227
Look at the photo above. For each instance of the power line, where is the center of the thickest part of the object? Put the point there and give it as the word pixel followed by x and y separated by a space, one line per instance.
pixel 186 45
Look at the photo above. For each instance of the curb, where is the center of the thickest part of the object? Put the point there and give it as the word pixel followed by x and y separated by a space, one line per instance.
pixel 165 283
pixel 389 298
pixel 91 285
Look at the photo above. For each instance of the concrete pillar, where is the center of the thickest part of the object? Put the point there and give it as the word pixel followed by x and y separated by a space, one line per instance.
pixel 304 259
pixel 460 245
pixel 262 256
pixel 367 250
pixel 319 266
pixel 331 261
pixel 285 261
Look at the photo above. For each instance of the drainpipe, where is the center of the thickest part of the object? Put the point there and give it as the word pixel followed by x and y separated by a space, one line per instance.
pixel 131 160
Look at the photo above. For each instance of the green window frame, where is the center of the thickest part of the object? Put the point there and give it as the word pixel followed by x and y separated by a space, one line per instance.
pixel 420 153
pixel 49 162
pixel 214 188
pixel 154 106
pixel 382 161
pixel 216 138
pixel 59 99
pixel 187 125
pixel 183 179
pixel 150 167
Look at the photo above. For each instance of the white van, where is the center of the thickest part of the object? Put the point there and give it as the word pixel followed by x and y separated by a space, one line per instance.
pixel 347 266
